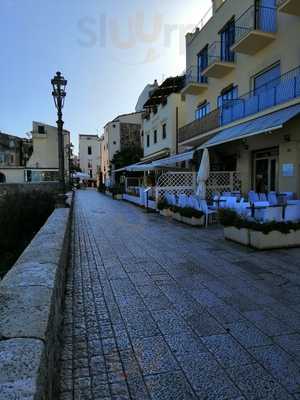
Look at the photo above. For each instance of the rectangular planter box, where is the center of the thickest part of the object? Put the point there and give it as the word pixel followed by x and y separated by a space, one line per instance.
pixel 260 241
pixel 177 217
pixel 193 221
pixel 166 213
pixel 132 199
pixel 274 240
pixel 241 236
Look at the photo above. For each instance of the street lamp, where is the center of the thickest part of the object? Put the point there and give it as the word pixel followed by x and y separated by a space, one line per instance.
pixel 59 94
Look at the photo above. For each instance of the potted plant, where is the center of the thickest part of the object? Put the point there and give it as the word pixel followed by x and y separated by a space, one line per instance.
pixel 192 217
pixel 262 236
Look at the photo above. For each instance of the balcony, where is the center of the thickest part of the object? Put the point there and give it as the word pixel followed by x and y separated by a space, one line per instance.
pixel 279 91
pixel 289 7
pixel 194 84
pixel 200 126
pixel 220 61
pixel 276 92
pixel 255 30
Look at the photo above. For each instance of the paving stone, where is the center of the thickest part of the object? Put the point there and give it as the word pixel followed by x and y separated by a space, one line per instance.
pixel 185 345
pixel 290 343
pixel 281 366
pixel 204 324
pixel 227 351
pixel 169 322
pixel 169 387
pixel 268 324
pixel 256 383
pixel 208 379
pixel 247 334
pixel 154 356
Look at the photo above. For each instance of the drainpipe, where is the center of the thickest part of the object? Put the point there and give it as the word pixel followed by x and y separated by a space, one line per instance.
pixel 177 133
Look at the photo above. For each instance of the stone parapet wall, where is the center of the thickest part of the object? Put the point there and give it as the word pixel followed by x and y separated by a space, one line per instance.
pixel 31 302
pixel 28 187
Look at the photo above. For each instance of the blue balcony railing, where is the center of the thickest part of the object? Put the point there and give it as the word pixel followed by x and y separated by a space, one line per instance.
pixel 278 91
pixel 220 52
pixel 256 18
pixel 193 75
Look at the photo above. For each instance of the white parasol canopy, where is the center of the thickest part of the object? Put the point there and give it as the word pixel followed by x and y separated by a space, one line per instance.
pixel 203 175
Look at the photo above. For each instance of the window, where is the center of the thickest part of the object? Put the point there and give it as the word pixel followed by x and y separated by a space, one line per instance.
pixel 148 140
pixel 267 79
pixel 91 173
pixel 227 40
pixel 164 131
pixel 202 63
pixel 155 137
pixel 90 164
pixel 89 150
pixel 12 159
pixel 228 94
pixel 41 129
pixel 2 158
pixel 202 110
pixel 114 142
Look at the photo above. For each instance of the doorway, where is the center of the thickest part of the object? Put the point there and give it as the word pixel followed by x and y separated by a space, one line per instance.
pixel 265 169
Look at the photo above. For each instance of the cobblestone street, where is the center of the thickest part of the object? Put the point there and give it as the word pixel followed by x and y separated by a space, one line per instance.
pixel 157 310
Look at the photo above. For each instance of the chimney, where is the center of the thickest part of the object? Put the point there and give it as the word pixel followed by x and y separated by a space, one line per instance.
pixel 216 5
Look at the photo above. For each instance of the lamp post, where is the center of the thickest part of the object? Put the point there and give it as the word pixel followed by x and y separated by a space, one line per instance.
pixel 59 94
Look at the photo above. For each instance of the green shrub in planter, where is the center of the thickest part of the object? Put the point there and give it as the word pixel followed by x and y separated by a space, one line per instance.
pixel 230 218
pixel 162 205
pixel 189 212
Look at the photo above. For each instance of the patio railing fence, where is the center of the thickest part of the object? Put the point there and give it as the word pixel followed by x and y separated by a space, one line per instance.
pixel 223 181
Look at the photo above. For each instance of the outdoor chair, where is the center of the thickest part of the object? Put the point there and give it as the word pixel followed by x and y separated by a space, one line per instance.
pixel 262 197
pixel 261 204
pixel 183 200
pixel 289 195
pixel 292 213
pixel 244 209
pixel 206 211
pixel 231 202
pixel 269 214
pixel 272 198
pixel 253 196
pixel 171 199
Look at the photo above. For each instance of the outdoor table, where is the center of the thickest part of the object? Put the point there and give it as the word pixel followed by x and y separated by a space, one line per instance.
pixel 218 201
pixel 253 208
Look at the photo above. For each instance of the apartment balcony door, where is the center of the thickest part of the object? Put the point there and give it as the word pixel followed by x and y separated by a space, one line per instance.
pixel 266 168
pixel 266 14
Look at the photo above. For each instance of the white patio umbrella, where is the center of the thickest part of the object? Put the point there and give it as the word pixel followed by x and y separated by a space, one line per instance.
pixel 203 175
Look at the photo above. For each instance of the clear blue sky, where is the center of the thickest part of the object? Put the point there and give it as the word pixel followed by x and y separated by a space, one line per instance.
pixel 108 51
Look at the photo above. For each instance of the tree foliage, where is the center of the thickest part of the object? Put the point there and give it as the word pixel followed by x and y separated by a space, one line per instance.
pixel 128 156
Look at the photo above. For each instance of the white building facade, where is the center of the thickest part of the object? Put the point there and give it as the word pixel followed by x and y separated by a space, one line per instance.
pixel 89 155
pixel 124 131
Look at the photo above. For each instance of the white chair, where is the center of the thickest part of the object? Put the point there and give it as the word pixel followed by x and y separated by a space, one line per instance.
pixel 253 196
pixel 206 211
pixel 292 213
pixel 262 197
pixel 223 201
pixel 183 200
pixel 272 198
pixel 231 202
pixel 270 214
pixel 226 194
pixel 244 209
pixel 289 195
pixel 171 199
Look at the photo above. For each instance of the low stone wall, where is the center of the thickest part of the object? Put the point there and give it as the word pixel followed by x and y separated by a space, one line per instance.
pixel 31 303
pixel 50 187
